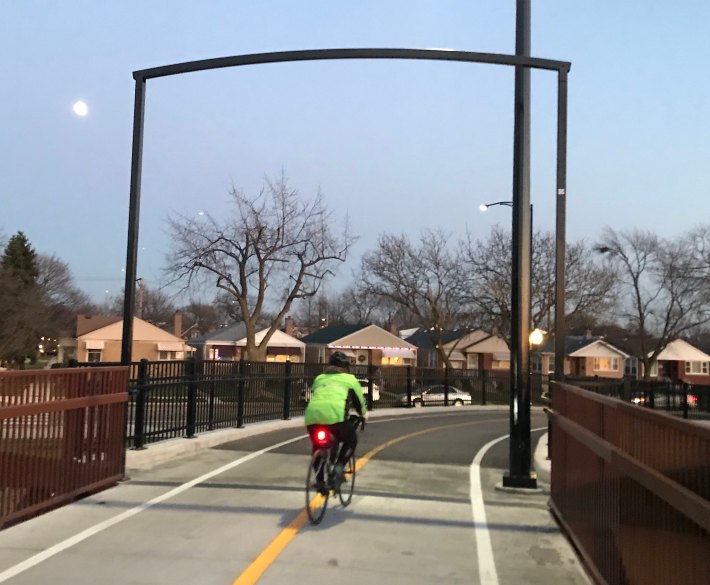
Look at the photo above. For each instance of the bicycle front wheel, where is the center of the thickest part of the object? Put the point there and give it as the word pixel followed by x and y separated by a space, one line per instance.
pixel 317 491
pixel 345 492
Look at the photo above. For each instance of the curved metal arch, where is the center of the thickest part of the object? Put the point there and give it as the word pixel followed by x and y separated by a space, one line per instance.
pixel 333 54
pixel 141 76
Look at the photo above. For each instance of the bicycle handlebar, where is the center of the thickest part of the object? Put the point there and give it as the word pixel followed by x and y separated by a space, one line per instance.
pixel 356 420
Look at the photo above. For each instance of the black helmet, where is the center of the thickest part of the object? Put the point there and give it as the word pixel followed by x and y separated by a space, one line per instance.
pixel 339 359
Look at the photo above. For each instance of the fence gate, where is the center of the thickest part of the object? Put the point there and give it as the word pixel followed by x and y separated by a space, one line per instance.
pixel 61 436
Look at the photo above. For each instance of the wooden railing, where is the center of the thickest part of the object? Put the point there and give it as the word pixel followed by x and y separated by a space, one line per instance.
pixel 62 435
pixel 632 489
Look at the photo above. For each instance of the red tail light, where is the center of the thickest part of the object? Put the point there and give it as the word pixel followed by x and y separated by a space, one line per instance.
pixel 322 437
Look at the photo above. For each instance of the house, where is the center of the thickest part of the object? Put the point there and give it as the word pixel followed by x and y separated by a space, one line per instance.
pixel 585 356
pixel 425 341
pixel 364 344
pixel 467 349
pixel 229 343
pixel 681 361
pixel 98 339
pixel 486 352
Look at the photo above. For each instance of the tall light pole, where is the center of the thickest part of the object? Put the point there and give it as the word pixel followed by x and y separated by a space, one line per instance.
pixel 519 474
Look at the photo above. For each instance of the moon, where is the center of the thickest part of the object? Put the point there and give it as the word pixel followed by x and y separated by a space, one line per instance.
pixel 80 108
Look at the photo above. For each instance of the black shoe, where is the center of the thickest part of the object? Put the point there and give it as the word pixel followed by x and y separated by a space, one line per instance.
pixel 321 488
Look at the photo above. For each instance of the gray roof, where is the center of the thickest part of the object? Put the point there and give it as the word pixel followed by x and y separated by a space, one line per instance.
pixel 233 333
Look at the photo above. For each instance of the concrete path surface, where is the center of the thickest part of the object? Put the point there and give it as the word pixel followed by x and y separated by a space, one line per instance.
pixel 426 511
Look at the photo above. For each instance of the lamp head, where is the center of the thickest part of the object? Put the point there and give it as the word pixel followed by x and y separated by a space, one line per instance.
pixel 536 336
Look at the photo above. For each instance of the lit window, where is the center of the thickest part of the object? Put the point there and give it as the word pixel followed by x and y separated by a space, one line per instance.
pixel 94 355
pixel 167 355
pixel 500 365
pixel 606 364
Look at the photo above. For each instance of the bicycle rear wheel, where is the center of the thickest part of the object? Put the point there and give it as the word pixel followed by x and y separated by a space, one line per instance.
pixel 345 492
pixel 317 492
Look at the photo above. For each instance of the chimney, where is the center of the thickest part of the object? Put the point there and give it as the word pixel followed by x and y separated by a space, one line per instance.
pixel 588 334
pixel 177 324
pixel 289 326
pixel 393 328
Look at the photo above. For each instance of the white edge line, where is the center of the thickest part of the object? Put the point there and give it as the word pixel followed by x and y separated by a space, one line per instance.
pixel 89 532
pixel 487 572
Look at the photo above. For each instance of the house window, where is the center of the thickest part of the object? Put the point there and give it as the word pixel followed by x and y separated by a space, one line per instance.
pixel 631 366
pixel 472 361
pixel 654 370
pixel 94 355
pixel 606 364
pixel 500 364
pixel 696 367
pixel 167 355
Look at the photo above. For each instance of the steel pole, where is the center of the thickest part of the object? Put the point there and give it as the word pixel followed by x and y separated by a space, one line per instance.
pixel 560 235
pixel 129 293
pixel 519 474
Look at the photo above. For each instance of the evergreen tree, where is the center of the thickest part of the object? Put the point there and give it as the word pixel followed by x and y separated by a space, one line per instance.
pixel 20 260
pixel 23 316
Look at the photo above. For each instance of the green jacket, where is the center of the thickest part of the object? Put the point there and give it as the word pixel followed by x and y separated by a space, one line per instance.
pixel 332 392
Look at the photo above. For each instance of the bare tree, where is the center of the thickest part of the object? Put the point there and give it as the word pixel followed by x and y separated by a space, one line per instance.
pixel 589 284
pixel 664 284
pixel 200 318
pixel 276 248
pixel 424 278
pixel 62 299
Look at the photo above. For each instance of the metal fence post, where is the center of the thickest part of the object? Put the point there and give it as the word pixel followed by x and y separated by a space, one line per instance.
pixel 287 391
pixel 446 385
pixel 240 394
pixel 191 397
pixel 482 375
pixel 686 391
pixel 210 386
pixel 370 375
pixel 409 386
pixel 139 421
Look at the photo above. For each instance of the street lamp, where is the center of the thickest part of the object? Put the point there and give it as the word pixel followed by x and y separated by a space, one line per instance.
pixel 485 206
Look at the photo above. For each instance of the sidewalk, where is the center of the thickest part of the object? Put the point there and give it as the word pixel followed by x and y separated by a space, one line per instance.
pixel 207 532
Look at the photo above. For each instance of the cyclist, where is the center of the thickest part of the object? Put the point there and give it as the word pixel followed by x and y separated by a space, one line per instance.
pixel 335 392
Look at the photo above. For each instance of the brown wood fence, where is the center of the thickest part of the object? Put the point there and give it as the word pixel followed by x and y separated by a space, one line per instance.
pixel 62 435
pixel 632 489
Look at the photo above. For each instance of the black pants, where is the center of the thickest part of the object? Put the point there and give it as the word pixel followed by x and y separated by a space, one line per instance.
pixel 345 432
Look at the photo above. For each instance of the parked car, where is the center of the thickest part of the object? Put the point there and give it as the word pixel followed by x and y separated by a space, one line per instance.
pixel 660 400
pixel 306 392
pixel 434 396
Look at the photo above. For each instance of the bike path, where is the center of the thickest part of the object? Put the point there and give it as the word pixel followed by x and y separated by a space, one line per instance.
pixel 410 519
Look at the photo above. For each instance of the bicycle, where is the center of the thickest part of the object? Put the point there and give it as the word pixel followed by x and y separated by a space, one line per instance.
pixel 322 464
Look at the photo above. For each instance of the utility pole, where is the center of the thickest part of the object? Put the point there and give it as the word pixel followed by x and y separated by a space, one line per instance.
pixel 519 474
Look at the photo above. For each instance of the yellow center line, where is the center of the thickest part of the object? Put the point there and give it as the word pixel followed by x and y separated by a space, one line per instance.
pixel 257 568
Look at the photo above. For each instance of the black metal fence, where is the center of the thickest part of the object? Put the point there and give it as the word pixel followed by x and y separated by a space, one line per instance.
pixel 690 401
pixel 171 399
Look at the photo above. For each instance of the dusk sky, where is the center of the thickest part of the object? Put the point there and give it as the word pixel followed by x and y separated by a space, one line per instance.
pixel 398 145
